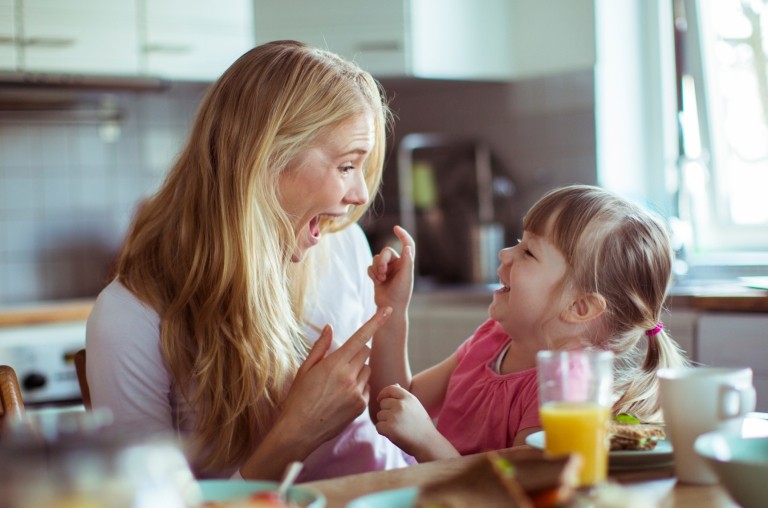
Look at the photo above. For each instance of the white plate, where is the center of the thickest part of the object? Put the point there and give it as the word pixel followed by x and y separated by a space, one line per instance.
pixel 397 498
pixel 231 490
pixel 623 459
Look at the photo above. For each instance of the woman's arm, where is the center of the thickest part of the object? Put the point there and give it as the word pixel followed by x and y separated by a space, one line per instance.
pixel 329 391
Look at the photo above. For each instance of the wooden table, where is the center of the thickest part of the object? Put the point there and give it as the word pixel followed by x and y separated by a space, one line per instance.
pixel 651 487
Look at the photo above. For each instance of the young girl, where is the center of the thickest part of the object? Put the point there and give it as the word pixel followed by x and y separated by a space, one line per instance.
pixel 591 271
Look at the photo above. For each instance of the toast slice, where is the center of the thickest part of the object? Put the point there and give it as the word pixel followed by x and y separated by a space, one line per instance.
pixel 506 479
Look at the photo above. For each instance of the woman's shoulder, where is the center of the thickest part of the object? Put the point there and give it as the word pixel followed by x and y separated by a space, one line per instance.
pixel 117 294
pixel 117 307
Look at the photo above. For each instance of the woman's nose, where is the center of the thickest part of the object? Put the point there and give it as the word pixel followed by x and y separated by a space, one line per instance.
pixel 358 192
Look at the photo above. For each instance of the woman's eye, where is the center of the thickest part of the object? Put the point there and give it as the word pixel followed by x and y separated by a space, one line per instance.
pixel 346 168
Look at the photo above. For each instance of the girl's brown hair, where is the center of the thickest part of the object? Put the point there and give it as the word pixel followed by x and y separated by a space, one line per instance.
pixel 621 251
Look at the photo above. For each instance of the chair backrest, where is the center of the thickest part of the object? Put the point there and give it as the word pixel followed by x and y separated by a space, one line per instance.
pixel 11 403
pixel 82 379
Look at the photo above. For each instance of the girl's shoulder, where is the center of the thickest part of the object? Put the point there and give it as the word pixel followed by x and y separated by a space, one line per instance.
pixel 489 335
pixel 490 331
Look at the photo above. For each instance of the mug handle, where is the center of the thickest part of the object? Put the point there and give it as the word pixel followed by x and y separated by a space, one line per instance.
pixel 736 401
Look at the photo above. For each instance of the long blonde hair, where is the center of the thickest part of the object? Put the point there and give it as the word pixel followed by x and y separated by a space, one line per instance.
pixel 622 252
pixel 210 251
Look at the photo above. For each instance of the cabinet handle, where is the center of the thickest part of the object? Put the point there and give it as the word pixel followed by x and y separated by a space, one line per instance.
pixel 378 46
pixel 49 42
pixel 167 48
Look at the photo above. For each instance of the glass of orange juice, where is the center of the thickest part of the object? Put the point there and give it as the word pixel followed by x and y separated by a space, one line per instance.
pixel 575 393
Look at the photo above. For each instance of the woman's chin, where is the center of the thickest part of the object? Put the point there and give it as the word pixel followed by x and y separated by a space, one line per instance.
pixel 301 250
pixel 298 254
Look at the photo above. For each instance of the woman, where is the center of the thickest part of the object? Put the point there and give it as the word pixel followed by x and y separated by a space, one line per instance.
pixel 200 331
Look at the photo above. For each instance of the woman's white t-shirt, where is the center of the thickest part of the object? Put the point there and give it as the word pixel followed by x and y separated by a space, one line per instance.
pixel 126 371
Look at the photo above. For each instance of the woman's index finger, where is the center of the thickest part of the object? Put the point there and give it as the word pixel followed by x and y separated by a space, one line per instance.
pixel 360 338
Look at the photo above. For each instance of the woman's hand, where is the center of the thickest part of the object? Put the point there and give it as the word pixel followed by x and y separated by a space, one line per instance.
pixel 403 420
pixel 392 273
pixel 330 391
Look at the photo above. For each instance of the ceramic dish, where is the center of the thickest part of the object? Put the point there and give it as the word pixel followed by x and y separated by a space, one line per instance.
pixel 741 464
pixel 231 490
pixel 623 459
pixel 397 498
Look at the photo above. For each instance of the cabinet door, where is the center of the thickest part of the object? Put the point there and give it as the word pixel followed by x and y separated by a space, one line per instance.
pixel 446 39
pixel 7 35
pixel 195 39
pixel 736 340
pixel 81 36
pixel 439 325
pixel 370 32
pixel 681 325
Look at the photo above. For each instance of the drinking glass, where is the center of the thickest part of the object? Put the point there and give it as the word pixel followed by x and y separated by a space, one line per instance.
pixel 575 391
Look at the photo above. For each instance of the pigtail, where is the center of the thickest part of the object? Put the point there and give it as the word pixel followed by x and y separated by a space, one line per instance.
pixel 640 391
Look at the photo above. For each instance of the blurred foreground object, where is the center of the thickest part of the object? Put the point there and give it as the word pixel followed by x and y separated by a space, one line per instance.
pixel 76 458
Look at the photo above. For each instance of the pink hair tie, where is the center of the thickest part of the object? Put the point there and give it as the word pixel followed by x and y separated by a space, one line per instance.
pixel 659 327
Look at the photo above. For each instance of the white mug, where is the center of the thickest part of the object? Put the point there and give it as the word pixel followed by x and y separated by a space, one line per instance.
pixel 696 400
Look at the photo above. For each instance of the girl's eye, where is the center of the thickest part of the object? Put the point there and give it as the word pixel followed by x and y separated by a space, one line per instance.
pixel 529 253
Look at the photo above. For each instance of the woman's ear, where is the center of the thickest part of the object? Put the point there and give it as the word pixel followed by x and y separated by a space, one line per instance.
pixel 586 307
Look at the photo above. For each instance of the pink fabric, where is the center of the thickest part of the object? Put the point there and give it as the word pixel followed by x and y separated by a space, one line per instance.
pixel 484 410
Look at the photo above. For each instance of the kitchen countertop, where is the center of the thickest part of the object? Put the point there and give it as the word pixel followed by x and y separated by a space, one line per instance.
pixel 45 312
pixel 709 295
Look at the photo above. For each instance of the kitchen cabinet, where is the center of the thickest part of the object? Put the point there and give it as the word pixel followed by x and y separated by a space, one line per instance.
pixel 7 35
pixel 440 322
pixel 730 339
pixel 680 324
pixel 173 39
pixel 195 39
pixel 450 39
pixel 78 36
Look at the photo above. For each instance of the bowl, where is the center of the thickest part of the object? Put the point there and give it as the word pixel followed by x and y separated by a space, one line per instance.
pixel 233 490
pixel 741 464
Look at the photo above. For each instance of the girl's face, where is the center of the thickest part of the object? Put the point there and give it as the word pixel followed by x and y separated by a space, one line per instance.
pixel 326 179
pixel 530 274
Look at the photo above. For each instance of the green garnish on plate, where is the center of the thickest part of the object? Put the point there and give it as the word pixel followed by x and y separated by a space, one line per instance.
pixel 626 418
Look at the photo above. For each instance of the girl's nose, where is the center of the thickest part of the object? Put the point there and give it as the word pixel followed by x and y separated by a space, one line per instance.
pixel 505 255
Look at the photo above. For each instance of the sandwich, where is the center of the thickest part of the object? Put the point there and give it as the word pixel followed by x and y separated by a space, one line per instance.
pixel 634 435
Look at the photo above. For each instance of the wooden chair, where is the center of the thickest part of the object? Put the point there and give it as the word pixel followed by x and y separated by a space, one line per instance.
pixel 82 379
pixel 11 403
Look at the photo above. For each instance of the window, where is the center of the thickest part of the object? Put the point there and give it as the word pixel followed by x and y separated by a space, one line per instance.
pixel 722 77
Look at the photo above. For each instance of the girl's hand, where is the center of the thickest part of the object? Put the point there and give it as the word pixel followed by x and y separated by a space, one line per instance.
pixel 392 273
pixel 403 420
pixel 330 391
